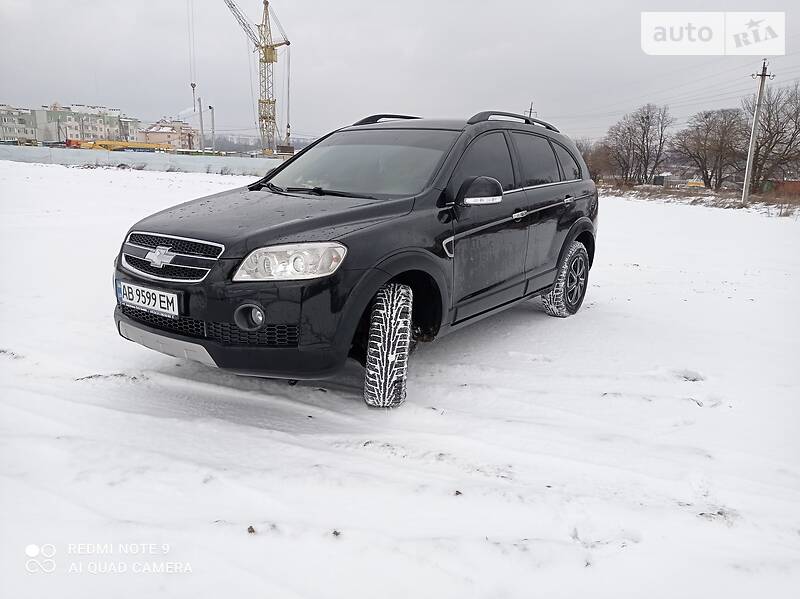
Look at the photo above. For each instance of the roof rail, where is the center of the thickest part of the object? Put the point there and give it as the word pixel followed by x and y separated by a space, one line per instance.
pixel 375 118
pixel 486 115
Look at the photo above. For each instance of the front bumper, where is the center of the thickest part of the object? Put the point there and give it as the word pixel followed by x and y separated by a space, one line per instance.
pixel 321 316
pixel 166 345
pixel 276 362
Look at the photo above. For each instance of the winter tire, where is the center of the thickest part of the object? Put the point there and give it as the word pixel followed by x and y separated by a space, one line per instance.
pixel 388 347
pixel 569 289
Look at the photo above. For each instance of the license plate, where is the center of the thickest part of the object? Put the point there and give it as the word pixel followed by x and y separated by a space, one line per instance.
pixel 150 300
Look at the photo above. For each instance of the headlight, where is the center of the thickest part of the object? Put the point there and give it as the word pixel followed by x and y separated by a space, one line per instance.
pixel 291 262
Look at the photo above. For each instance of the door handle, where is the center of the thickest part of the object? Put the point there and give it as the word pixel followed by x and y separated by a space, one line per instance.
pixel 568 199
pixel 519 215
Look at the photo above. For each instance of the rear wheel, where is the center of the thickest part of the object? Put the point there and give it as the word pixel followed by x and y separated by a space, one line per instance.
pixel 388 347
pixel 566 296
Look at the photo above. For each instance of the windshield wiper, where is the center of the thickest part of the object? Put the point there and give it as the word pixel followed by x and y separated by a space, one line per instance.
pixel 330 192
pixel 273 187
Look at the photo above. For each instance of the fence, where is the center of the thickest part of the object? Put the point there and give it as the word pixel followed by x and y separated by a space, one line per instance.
pixel 151 161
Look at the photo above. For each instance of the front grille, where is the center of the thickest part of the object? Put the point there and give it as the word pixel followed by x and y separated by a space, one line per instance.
pixel 167 271
pixel 199 254
pixel 191 327
pixel 189 247
pixel 270 335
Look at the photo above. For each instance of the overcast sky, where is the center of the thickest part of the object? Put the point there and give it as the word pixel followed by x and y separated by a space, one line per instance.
pixel 579 61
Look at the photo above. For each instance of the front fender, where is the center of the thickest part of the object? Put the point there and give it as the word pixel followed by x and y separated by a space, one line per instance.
pixel 373 279
pixel 440 269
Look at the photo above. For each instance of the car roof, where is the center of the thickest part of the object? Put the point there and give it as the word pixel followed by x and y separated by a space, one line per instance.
pixel 449 124
pixel 458 125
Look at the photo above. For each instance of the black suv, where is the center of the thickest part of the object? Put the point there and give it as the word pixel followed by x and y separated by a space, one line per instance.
pixel 392 231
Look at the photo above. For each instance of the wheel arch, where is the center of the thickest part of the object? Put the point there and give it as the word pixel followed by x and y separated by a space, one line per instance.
pixel 582 230
pixel 427 279
pixel 415 268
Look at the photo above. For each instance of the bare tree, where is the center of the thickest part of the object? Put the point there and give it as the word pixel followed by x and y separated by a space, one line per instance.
pixel 620 145
pixel 777 149
pixel 651 124
pixel 636 144
pixel 713 143
pixel 595 156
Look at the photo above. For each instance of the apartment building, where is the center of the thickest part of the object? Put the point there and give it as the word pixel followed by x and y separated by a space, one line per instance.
pixel 178 134
pixel 17 124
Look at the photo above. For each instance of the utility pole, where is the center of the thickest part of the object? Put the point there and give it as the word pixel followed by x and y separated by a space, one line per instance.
pixel 213 137
pixel 202 133
pixel 748 171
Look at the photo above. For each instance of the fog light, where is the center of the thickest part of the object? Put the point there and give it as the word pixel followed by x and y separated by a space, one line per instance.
pixel 249 317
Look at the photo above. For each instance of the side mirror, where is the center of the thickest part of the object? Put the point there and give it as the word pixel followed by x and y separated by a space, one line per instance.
pixel 479 191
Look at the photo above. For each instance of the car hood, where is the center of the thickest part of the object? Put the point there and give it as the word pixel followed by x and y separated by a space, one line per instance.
pixel 243 220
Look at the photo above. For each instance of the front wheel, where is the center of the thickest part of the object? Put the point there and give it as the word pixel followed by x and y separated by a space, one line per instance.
pixel 566 296
pixel 388 347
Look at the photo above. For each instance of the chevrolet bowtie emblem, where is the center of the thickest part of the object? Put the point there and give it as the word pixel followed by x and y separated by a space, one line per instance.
pixel 160 256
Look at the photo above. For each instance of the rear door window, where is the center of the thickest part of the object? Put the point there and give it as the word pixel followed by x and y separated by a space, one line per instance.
pixel 537 160
pixel 568 163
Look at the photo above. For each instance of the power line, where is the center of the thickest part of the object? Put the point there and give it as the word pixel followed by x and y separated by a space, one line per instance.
pixel 731 91
pixel 621 106
pixel 192 48
pixel 250 75
pixel 738 95
pixel 649 95
pixel 787 85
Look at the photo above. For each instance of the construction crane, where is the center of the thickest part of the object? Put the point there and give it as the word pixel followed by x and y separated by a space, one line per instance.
pixel 267 48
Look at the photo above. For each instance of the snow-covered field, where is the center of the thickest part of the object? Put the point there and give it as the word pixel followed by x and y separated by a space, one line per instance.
pixel 647 447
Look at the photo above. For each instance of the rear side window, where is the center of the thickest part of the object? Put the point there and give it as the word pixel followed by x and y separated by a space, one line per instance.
pixel 539 164
pixel 568 164
pixel 487 156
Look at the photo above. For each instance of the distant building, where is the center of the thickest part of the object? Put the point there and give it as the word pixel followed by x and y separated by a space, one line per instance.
pixel 56 123
pixel 129 128
pixel 84 123
pixel 786 187
pixel 178 134
pixel 17 124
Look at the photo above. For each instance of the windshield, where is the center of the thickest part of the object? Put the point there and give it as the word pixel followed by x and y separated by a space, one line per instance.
pixel 379 163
